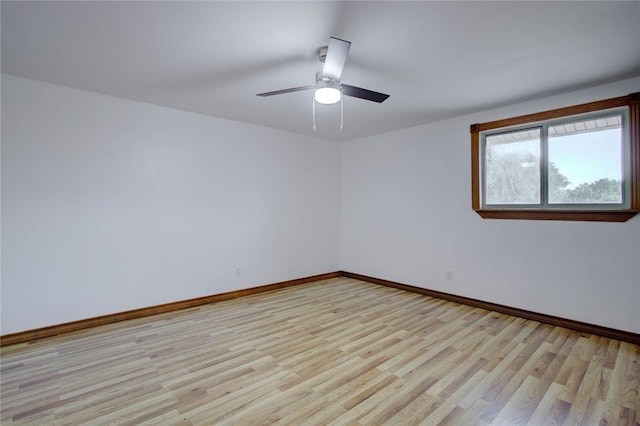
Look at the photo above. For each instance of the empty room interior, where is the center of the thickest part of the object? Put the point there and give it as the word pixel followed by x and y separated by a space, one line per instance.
pixel 312 213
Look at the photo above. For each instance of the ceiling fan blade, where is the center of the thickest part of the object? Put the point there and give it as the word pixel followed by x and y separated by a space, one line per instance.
pixel 280 92
pixel 337 53
pixel 358 92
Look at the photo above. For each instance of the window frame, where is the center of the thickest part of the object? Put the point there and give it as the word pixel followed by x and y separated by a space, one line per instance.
pixel 585 212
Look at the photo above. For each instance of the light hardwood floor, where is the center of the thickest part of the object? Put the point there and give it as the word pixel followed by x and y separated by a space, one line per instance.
pixel 338 351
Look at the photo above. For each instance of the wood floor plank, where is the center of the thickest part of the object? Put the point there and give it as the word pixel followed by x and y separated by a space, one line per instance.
pixel 338 351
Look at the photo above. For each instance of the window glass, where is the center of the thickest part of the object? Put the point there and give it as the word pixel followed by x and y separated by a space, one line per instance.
pixel 585 162
pixel 512 168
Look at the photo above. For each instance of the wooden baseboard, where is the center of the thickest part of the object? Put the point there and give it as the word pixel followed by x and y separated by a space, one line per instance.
pixel 54 330
pixel 548 319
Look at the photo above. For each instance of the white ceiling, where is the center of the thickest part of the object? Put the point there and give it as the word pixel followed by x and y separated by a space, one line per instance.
pixel 435 59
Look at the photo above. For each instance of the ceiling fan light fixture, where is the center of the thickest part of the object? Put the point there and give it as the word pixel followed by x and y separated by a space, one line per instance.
pixel 328 89
pixel 327 92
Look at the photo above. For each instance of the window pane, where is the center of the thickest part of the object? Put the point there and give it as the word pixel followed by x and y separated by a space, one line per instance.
pixel 585 161
pixel 512 167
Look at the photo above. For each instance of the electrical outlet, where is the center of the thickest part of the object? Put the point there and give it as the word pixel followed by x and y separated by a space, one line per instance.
pixel 448 275
pixel 238 272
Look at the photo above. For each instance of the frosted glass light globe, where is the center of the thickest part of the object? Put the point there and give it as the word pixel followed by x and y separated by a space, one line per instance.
pixel 327 95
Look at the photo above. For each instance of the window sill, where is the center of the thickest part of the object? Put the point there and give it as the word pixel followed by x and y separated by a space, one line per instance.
pixel 569 215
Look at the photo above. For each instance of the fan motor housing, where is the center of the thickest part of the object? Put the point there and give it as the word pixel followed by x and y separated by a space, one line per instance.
pixel 326 81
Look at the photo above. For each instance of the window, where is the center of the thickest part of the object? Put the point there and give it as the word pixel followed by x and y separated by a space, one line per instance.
pixel 574 163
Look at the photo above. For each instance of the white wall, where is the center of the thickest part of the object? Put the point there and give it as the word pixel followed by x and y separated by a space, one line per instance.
pixel 110 205
pixel 406 217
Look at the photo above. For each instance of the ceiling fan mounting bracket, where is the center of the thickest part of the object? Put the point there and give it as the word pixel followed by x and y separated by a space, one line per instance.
pixel 321 53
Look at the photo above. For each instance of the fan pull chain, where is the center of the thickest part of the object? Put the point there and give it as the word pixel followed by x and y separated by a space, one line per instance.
pixel 313 102
pixel 341 111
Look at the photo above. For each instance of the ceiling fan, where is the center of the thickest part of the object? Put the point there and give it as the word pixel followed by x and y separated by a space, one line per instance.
pixel 328 88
